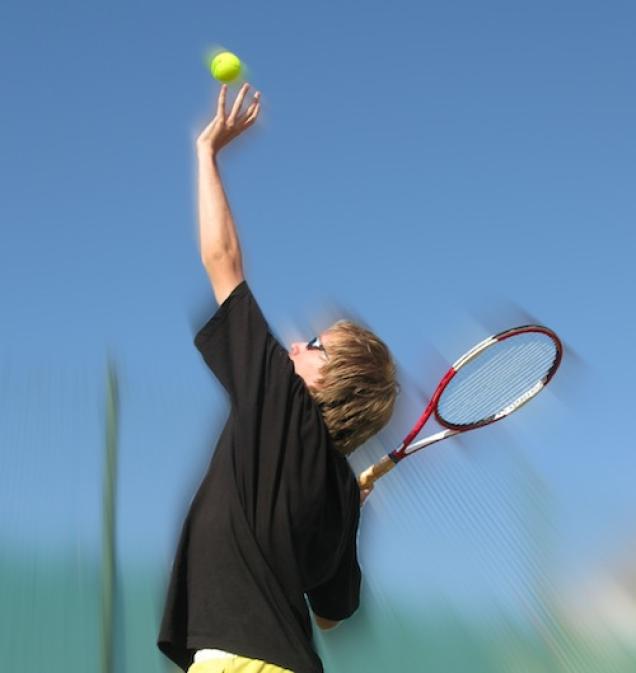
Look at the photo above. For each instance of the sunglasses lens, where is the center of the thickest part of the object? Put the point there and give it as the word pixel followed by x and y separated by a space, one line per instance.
pixel 315 344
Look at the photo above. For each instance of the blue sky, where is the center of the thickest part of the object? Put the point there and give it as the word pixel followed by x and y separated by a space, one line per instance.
pixel 441 170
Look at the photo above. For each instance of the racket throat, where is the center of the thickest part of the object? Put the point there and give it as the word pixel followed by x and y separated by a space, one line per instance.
pixel 396 455
pixel 432 439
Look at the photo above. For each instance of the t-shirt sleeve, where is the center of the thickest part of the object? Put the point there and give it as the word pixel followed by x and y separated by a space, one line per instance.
pixel 238 347
pixel 339 597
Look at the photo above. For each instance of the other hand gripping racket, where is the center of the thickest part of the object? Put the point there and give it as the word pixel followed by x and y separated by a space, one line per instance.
pixel 488 383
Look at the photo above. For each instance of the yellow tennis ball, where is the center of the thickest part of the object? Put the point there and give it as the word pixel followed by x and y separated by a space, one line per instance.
pixel 225 67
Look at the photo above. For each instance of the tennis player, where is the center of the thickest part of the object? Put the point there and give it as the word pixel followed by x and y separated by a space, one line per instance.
pixel 273 524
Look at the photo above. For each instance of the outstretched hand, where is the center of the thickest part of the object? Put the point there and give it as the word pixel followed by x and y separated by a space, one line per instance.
pixel 225 128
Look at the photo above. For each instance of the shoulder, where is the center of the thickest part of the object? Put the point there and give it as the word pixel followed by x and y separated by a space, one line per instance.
pixel 238 304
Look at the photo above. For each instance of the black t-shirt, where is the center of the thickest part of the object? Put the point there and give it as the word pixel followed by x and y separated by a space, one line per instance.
pixel 275 516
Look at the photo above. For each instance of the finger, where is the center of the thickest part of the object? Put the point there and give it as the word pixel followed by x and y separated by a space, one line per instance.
pixel 250 115
pixel 251 118
pixel 220 109
pixel 237 103
pixel 252 106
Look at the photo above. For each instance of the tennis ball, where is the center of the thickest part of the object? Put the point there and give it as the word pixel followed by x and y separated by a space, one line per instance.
pixel 225 67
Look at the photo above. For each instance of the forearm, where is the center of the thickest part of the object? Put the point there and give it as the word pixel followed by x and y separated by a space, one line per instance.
pixel 218 238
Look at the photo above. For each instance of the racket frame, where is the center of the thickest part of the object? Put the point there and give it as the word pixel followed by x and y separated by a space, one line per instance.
pixel 522 399
pixel 407 447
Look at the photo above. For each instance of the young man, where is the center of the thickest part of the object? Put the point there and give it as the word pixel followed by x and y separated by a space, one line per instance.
pixel 275 518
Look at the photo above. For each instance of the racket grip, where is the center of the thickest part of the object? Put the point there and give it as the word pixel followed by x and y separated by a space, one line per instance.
pixel 371 474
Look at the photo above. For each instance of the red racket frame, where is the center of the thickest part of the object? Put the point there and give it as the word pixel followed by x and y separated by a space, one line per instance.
pixel 406 448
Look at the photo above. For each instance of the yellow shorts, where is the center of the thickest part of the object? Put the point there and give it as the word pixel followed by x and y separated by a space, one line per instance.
pixel 235 664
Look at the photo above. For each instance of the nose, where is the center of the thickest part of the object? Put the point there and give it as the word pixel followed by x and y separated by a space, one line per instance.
pixel 296 347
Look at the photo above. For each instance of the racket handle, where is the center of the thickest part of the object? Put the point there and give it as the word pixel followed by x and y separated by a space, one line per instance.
pixel 371 474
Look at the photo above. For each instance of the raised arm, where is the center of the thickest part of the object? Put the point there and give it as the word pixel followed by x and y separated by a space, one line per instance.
pixel 219 243
pixel 220 248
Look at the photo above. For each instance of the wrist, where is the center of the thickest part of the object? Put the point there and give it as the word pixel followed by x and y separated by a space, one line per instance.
pixel 206 154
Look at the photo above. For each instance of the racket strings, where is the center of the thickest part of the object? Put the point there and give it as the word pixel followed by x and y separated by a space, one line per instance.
pixel 496 383
pixel 496 378
pixel 509 374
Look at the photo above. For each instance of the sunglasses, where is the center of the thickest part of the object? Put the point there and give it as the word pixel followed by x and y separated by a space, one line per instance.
pixel 316 345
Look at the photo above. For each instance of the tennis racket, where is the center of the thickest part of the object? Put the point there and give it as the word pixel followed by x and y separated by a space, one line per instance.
pixel 493 379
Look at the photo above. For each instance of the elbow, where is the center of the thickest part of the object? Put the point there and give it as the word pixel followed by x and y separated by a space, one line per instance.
pixel 326 624
pixel 230 256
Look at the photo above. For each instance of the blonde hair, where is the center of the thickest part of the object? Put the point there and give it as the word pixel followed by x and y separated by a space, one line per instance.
pixel 358 387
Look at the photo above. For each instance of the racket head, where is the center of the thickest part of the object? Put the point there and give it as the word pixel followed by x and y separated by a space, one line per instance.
pixel 497 377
